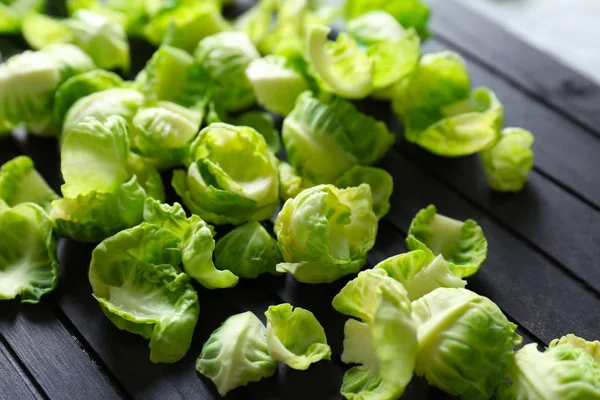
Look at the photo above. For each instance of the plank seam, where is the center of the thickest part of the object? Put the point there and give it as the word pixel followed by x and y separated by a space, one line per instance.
pixel 566 188
pixel 37 390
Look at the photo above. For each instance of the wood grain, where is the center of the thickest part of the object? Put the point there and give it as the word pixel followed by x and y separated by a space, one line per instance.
pixel 14 382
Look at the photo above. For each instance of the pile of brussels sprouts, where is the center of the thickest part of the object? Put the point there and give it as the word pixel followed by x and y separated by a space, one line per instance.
pixel 192 113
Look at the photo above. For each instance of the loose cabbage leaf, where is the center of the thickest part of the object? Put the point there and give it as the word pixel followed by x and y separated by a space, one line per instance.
pixel 380 181
pixel 295 337
pixel 12 13
pixel 592 348
pixel 384 343
pixel 419 276
pixel 440 112
pixel 276 83
pixel 263 123
pixel 21 183
pixel 324 140
pixel 507 163
pixel 290 183
pixel 232 177
pixel 223 59
pixel 248 251
pixel 141 291
pixel 40 30
pixel 563 371
pixel 236 353
pixel 28 264
pixel 324 233
pixel 465 342
pixel 462 244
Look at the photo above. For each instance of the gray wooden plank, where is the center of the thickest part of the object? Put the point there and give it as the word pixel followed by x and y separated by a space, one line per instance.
pixel 541 76
pixel 563 151
pixel 14 383
pixel 51 354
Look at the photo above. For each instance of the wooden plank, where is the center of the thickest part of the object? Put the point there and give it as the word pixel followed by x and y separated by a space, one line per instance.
pixel 539 74
pixel 563 151
pixel 14 382
pixel 524 283
pixel 50 353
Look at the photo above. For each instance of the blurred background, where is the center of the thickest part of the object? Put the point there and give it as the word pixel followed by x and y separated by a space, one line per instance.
pixel 567 29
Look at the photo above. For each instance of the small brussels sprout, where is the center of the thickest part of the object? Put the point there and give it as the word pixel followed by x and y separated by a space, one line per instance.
pixel 231 178
pixel 223 59
pixel 440 112
pixel 378 179
pixel 236 353
pixel 105 186
pixel 507 163
pixel 79 86
pixel 419 276
pixel 462 244
pixel 564 371
pixel 28 264
pixel 141 290
pixel 248 251
pixel 324 140
pixel 465 342
pixel 21 183
pixel 295 337
pixel 384 343
pixel 276 83
pixel 324 233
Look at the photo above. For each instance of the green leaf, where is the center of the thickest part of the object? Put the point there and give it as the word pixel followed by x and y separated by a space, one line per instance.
pixel 232 177
pixel 248 251
pixel 40 30
pixel 295 337
pixel 223 59
pixel 419 276
pixel 325 233
pixel 21 183
pixel 290 183
pixel 236 353
pixel 379 180
pixel 139 291
pixel 28 264
pixel 344 68
pixel 276 83
pixel 507 163
pixel 592 348
pixel 13 11
pixel 462 244
pixel 465 342
pixel 82 85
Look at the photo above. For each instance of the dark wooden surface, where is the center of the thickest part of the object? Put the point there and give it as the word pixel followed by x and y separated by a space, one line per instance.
pixel 542 269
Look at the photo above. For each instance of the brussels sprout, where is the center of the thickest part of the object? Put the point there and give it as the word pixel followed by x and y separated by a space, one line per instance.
pixel 465 342
pixel 28 264
pixel 419 276
pixel 378 179
pixel 195 241
pixel 384 343
pixel 263 123
pixel 232 177
pixel 248 251
pixel 507 163
pixel 184 25
pixel 295 337
pixel 80 86
pixel 223 59
pixel 40 30
pixel 325 233
pixel 13 11
pixel 141 291
pixel 409 13
pixel 462 244
pixel 130 14
pixel 101 105
pixel 164 133
pixel 21 183
pixel 170 75
pixel 236 353
pixel 290 183
pixel 28 82
pixel 592 348
pixel 563 371
pixel 441 114
pixel 105 187
pixel 276 83
pixel 257 20
pixel 324 140
pixel 375 27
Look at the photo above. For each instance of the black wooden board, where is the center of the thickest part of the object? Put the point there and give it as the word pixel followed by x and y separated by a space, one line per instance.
pixel 542 268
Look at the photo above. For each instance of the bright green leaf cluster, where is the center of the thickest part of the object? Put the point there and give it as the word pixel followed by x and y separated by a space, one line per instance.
pixel 324 233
